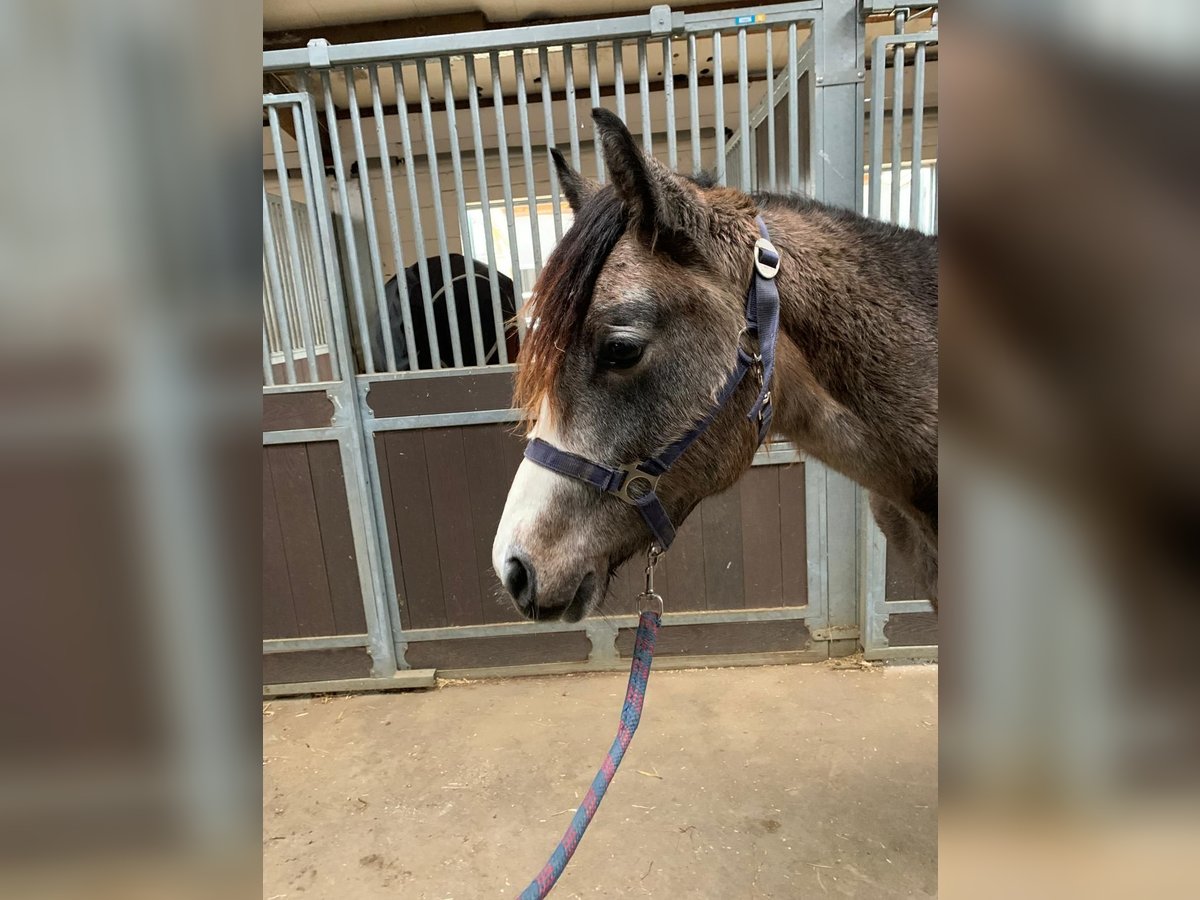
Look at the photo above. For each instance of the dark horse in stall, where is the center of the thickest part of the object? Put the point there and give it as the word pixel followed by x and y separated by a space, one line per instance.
pixel 638 316
pixel 440 293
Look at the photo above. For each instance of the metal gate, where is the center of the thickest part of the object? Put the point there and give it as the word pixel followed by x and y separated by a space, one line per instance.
pixel 430 204
pixel 902 188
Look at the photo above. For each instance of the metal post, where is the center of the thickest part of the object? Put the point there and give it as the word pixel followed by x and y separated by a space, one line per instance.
pixel 300 288
pixel 368 207
pixel 918 137
pixel 485 205
pixel 568 52
pixel 307 177
pixel 619 78
pixel 744 110
pixel 439 219
pixel 644 97
pixel 594 89
pixel 275 281
pixel 694 104
pixel 897 129
pixel 771 183
pixel 527 158
pixel 389 193
pixel 464 225
pixel 506 185
pixel 548 114
pixel 793 111
pixel 878 111
pixel 414 202
pixel 719 103
pixel 669 91
pixel 268 367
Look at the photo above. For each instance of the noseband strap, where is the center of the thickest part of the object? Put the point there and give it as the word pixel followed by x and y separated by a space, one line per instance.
pixel 637 483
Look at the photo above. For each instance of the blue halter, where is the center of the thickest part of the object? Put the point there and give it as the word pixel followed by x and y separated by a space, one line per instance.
pixel 637 483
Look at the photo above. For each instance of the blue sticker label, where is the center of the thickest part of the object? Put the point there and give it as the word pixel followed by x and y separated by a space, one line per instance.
pixel 750 20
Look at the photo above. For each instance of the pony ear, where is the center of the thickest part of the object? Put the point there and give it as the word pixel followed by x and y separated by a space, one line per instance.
pixel 578 189
pixel 660 206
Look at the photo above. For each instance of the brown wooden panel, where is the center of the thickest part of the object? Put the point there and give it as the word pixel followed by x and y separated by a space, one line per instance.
pixel 446 464
pixel 301 539
pixel 316 665
pixel 723 569
pixel 899 582
pixel 306 409
pixel 490 471
pixel 726 637
pixel 687 565
pixel 422 589
pixel 793 534
pixel 512 650
pixel 337 537
pixel 389 518
pixel 911 629
pixel 278 614
pixel 762 553
pixel 441 394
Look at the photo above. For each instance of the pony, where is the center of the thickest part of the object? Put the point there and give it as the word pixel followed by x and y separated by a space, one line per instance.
pixel 636 322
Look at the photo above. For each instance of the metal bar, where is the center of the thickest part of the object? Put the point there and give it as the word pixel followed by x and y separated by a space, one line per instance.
pixel 694 104
pixel 329 642
pixel 444 420
pixel 918 138
pixel 619 77
pixel 464 225
pixel 438 373
pixel 878 110
pixel 669 92
pixel 900 607
pixel 303 435
pixel 275 282
pixel 407 680
pixel 415 48
pixel 364 191
pixel 699 617
pixel 439 219
pixel 485 205
pixel 414 203
pixel 300 287
pixel 719 105
pixel 268 366
pixel 506 184
pixel 302 128
pixel 527 158
pixel 779 14
pixel 897 128
pixel 744 108
pixel 389 191
pixel 771 182
pixel 793 111
pixel 548 114
pixel 572 113
pixel 594 89
pixel 644 97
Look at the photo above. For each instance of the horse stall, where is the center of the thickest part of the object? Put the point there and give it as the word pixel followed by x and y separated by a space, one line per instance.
pixel 409 203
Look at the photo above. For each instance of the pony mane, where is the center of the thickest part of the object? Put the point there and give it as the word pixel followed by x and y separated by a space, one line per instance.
pixel 562 296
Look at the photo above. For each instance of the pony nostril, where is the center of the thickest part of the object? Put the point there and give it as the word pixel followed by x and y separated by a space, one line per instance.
pixel 518 580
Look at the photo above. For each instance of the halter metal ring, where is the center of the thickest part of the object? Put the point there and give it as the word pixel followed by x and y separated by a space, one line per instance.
pixel 637 484
pixel 766 269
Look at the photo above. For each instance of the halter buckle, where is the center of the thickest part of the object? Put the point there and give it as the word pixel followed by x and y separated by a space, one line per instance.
pixel 636 484
pixel 766 269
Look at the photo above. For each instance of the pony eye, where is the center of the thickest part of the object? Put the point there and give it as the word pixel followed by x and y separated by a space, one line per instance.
pixel 619 353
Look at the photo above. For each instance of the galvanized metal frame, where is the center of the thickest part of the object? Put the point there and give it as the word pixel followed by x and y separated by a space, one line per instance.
pixel 874 608
pixel 833 60
pixel 346 427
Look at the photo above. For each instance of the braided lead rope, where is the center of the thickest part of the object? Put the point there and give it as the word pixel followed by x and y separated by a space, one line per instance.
pixel 631 714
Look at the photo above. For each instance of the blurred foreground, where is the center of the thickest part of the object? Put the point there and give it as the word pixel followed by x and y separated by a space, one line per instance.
pixel 130 267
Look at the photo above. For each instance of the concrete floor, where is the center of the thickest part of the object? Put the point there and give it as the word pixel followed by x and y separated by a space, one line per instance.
pixel 785 781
